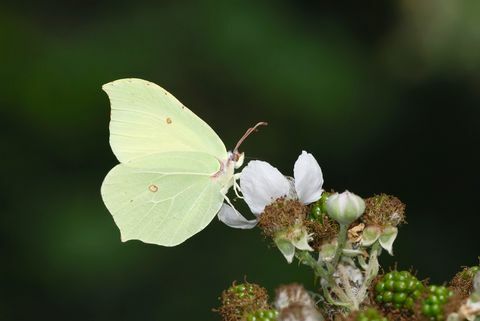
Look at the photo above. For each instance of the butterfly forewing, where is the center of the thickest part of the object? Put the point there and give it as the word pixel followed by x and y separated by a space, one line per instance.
pixel 146 119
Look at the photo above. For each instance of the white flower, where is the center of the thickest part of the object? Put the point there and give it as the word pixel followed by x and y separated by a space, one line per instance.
pixel 261 184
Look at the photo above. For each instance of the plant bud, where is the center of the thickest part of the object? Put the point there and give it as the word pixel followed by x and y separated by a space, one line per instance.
pixel 345 207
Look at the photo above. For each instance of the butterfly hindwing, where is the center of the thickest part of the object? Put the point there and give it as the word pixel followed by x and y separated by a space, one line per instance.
pixel 163 198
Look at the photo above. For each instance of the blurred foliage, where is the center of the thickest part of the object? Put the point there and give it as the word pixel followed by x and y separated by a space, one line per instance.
pixel 385 95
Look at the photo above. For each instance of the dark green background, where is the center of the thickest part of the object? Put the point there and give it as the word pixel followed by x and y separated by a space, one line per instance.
pixel 385 94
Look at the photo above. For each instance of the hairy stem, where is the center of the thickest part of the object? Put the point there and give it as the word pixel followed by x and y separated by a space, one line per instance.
pixel 306 258
pixel 341 241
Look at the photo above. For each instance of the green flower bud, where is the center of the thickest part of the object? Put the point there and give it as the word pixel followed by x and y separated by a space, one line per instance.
pixel 345 207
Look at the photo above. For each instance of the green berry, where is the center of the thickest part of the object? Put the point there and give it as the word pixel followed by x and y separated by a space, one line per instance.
pixel 399 297
pixel 410 285
pixel 380 286
pixel 387 296
pixel 400 286
pixel 416 294
pixel 390 284
pixel 316 211
pixel 409 303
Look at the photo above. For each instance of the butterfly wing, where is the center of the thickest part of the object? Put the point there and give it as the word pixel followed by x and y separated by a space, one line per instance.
pixel 146 119
pixel 163 198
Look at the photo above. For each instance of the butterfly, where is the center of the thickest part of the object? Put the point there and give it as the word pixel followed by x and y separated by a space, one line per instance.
pixel 174 170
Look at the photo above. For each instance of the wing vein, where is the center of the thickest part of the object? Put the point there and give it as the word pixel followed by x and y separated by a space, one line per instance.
pixel 189 209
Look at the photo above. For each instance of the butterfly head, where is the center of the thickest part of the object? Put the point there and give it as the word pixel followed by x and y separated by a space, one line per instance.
pixel 236 158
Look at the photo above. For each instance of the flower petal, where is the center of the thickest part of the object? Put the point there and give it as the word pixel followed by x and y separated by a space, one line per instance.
pixel 308 178
pixel 261 183
pixel 233 218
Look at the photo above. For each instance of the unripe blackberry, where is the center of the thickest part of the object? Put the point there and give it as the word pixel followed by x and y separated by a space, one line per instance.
pixel 316 212
pixel 432 305
pixel 318 209
pixel 241 299
pixel 243 290
pixel 262 315
pixel 370 314
pixel 462 282
pixel 398 289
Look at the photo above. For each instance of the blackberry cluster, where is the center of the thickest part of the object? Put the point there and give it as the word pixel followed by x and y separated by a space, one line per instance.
pixel 398 289
pixel 432 306
pixel 262 315
pixel 370 315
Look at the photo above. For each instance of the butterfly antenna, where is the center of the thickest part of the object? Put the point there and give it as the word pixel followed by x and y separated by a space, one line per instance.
pixel 247 133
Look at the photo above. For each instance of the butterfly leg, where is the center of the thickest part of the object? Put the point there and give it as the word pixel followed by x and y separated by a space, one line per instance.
pixel 229 202
pixel 236 187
